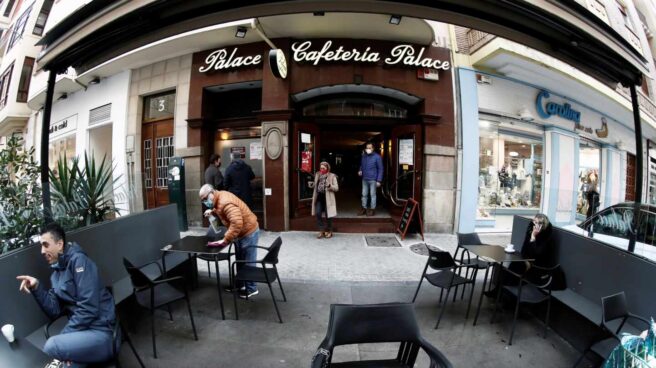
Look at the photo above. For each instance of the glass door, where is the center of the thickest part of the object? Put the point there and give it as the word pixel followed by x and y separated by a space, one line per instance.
pixel 305 153
pixel 407 162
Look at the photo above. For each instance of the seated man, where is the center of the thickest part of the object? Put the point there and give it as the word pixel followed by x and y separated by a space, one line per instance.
pixel 78 293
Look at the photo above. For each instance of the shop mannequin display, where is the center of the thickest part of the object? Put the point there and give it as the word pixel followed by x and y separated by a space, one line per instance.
pixel 590 187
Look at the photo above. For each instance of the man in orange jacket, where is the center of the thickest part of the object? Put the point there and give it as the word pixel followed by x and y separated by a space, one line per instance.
pixel 242 225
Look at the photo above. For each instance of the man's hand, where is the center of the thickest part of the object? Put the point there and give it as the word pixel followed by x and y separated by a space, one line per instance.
pixel 207 213
pixel 360 173
pixel 218 243
pixel 377 184
pixel 28 283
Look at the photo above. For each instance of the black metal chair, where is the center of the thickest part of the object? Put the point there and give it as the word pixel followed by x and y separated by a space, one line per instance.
pixel 157 294
pixel 534 287
pixel 376 323
pixel 446 277
pixel 614 309
pixel 216 258
pixel 262 274
pixel 466 258
pixel 119 334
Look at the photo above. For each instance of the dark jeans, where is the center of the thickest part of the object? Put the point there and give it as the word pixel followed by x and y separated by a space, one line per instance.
pixel 80 347
pixel 593 203
pixel 319 208
pixel 245 250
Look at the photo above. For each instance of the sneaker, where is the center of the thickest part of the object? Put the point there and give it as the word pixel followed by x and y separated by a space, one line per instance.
pixel 247 294
pixel 363 211
pixel 55 364
pixel 230 289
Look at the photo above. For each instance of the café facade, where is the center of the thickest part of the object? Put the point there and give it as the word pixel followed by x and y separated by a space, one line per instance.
pixel 287 103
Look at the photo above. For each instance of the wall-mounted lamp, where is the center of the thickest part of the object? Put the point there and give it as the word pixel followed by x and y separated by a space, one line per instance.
pixel 241 32
pixel 525 114
pixel 62 97
pixel 395 19
pixel 95 80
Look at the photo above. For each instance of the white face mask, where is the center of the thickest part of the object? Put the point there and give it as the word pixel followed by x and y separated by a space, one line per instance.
pixel 369 151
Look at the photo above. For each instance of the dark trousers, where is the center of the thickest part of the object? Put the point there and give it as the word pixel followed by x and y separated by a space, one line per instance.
pixel 319 208
pixel 593 203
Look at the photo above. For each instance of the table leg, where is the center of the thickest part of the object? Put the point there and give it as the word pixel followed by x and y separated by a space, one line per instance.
pixel 190 271
pixel 164 264
pixel 480 298
pixel 218 285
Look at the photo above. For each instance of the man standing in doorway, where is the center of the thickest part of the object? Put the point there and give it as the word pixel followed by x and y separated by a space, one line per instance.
pixel 238 178
pixel 213 175
pixel 371 171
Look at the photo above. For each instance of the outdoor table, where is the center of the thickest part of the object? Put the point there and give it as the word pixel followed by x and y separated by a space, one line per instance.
pixel 492 254
pixel 21 353
pixel 197 245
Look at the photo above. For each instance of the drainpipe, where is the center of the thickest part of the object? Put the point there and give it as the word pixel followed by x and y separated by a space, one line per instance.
pixel 639 155
pixel 45 137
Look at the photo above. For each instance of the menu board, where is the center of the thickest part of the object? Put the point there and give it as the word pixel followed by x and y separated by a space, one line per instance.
pixel 410 213
pixel 406 151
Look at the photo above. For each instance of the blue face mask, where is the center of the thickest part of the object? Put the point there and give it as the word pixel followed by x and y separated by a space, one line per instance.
pixel 55 265
pixel 208 203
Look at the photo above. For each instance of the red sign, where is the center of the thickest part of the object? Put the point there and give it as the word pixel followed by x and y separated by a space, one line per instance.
pixel 306 161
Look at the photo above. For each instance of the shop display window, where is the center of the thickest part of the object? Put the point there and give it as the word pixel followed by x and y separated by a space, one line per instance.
pixel 63 147
pixel 589 180
pixel 510 171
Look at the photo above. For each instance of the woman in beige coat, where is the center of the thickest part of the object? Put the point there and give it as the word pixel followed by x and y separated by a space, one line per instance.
pixel 323 199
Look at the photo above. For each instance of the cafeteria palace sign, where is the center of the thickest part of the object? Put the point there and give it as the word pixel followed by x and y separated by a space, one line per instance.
pixel 303 52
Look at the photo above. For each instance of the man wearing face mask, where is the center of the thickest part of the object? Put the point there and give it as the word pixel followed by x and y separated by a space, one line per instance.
pixel 243 229
pixel 371 171
pixel 213 175
pixel 77 292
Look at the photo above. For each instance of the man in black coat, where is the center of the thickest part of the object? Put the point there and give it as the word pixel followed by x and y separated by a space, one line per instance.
pixel 237 179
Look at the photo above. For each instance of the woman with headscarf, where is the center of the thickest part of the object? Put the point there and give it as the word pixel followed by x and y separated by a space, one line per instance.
pixel 323 199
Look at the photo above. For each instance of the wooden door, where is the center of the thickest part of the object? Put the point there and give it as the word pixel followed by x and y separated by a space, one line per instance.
pixel 407 163
pixel 157 149
pixel 304 163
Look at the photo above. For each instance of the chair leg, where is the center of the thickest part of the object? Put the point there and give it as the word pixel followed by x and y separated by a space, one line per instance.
pixel 152 327
pixel 191 317
pixel 546 318
pixel 209 270
pixel 234 296
pixel 496 304
pixel 417 291
pixel 281 290
pixel 443 307
pixel 168 308
pixel 471 296
pixel 441 293
pixel 514 323
pixel 218 287
pixel 275 304
pixel 126 337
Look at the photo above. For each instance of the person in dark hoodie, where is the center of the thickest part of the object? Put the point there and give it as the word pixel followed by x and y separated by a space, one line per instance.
pixel 77 292
pixel 237 179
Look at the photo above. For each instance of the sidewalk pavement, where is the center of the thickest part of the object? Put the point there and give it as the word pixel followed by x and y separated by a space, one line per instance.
pixel 347 257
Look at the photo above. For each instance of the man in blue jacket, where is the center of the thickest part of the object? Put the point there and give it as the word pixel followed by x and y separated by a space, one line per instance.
pixel 78 293
pixel 371 171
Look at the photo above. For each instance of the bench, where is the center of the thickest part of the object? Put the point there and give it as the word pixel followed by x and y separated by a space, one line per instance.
pixel 593 270
pixel 138 237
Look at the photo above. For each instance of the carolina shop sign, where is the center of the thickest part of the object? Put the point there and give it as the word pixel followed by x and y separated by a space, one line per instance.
pixel 399 55
pixel 304 52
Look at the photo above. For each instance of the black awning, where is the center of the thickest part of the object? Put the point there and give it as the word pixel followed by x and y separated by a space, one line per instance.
pixel 517 20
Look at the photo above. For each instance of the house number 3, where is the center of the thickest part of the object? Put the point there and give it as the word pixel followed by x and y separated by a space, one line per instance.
pixel 161 106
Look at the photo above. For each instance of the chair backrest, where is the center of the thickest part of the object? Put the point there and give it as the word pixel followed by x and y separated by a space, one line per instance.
pixel 372 323
pixel 138 278
pixel 272 254
pixel 614 307
pixel 468 239
pixel 440 259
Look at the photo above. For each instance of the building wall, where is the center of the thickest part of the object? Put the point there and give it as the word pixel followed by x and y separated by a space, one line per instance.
pixel 168 75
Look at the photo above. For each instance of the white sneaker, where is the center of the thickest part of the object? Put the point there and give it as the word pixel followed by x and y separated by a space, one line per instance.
pixel 245 295
pixel 55 364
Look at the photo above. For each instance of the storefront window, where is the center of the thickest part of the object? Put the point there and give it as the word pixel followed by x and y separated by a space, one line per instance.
pixel 589 181
pixel 510 176
pixel 64 148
